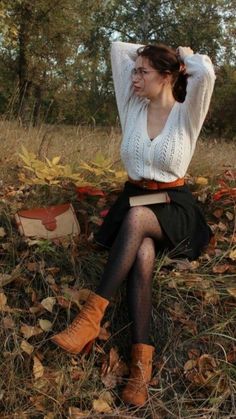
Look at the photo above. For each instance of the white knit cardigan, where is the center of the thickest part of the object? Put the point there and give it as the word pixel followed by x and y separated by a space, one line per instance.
pixel 166 157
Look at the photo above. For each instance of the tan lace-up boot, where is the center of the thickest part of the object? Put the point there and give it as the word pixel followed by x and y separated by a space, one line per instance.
pixel 85 327
pixel 135 391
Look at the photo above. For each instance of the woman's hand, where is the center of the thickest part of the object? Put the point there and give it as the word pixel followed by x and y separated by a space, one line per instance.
pixel 183 52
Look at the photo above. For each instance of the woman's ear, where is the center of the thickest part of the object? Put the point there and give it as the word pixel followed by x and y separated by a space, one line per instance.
pixel 167 78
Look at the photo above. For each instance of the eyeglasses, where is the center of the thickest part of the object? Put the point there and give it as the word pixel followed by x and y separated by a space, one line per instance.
pixel 140 72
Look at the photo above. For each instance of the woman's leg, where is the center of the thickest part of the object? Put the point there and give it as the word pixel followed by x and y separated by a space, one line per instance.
pixel 139 224
pixel 139 292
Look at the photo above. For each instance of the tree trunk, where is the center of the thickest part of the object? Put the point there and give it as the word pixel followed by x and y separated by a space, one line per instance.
pixel 37 104
pixel 23 61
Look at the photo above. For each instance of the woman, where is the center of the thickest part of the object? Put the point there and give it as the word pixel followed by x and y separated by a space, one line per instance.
pixel 163 96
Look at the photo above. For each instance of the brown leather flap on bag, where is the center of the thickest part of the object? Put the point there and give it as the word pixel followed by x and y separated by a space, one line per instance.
pixel 46 215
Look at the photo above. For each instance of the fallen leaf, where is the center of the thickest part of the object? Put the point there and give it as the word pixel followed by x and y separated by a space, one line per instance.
pixel 200 180
pixel 29 331
pixel 218 212
pixel 38 368
pixel 75 413
pixel 232 254
pixel 3 301
pixel 8 323
pixel 101 406
pixel 207 373
pixel 50 279
pixel 194 264
pixel 113 368
pixel 222 227
pixel 2 232
pixel 5 279
pixel 231 356
pixel 103 213
pixel 104 334
pixel 50 415
pixel 229 215
pixel 193 353
pixel 190 364
pixel 211 296
pixel 77 373
pixel 26 347
pixel 96 220
pixel 232 291
pixel 220 269
pixel 76 296
pixel 63 302
pixel 88 190
pixel 32 266
pixel 38 402
pixel 48 303
pixel 67 279
pixel 36 309
pixel 45 325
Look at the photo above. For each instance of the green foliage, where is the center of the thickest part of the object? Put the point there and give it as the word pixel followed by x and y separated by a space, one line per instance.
pixel 224 103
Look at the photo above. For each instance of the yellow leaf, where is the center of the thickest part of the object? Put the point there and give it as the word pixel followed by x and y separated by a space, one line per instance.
pixel 232 291
pixel 190 364
pixel 25 159
pixel 38 368
pixel 26 347
pixel 200 180
pixel 101 406
pixel 2 232
pixel 48 162
pixel 3 300
pixel 211 296
pixel 75 413
pixel 230 216
pixel 121 174
pixel 232 254
pixel 29 331
pixel 48 303
pixel 6 279
pixel 45 325
pixel 56 160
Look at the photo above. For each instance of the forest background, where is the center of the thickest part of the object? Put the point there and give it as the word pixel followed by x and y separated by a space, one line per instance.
pixel 55 64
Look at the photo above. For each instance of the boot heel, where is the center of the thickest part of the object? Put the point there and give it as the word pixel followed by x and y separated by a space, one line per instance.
pixel 88 347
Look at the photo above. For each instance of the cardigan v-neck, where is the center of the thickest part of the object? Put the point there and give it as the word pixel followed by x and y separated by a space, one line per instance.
pixel 165 125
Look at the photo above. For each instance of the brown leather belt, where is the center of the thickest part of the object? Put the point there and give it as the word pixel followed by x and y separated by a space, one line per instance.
pixel 154 185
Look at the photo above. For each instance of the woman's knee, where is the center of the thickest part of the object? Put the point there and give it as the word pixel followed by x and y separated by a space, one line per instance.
pixel 142 219
pixel 146 253
pixel 134 215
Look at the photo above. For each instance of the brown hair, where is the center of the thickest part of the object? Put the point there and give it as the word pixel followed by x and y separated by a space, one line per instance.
pixel 165 60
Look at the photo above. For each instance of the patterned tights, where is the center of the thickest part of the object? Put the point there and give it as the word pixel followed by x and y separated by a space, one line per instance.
pixel 132 257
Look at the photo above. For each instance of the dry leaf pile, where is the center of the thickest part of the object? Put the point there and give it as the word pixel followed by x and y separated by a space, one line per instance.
pixel 44 284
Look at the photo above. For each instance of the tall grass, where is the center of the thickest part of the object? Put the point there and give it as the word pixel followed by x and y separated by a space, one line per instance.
pixel 76 143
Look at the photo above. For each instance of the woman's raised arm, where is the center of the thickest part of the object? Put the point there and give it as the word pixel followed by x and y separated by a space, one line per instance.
pixel 123 57
pixel 199 87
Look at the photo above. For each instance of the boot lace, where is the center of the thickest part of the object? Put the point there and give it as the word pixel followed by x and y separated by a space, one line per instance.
pixel 81 317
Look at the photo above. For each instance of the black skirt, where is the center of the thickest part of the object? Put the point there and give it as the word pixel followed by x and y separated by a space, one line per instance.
pixel 185 230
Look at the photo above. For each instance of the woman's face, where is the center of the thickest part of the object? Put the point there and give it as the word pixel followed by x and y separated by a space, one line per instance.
pixel 146 81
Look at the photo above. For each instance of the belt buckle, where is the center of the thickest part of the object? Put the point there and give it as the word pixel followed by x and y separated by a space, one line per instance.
pixel 144 184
